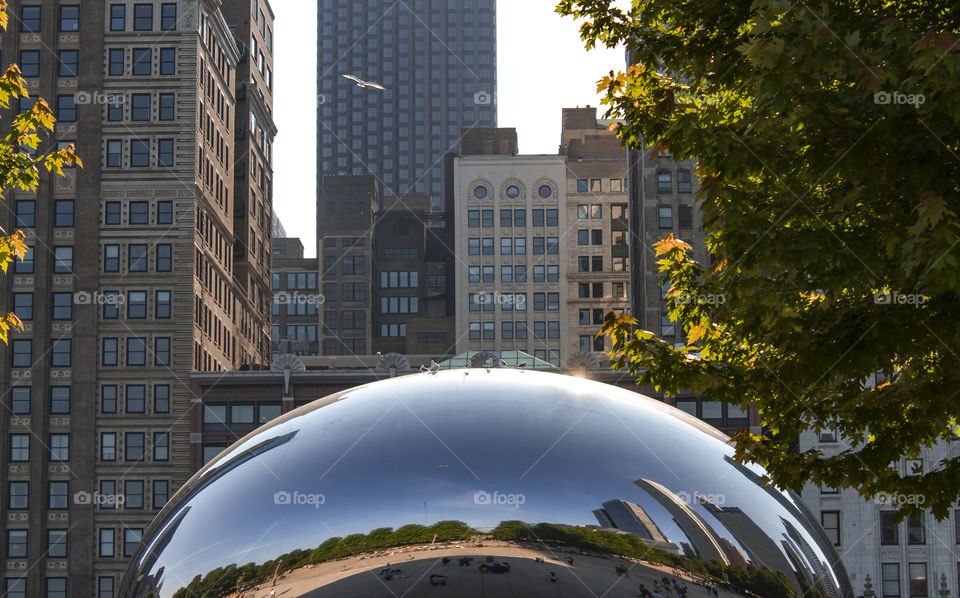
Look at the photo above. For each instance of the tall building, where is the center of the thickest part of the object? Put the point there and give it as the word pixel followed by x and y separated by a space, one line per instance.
pixel 509 220
pixel 437 61
pixel 629 517
pixel 297 300
pixel 597 265
pixel 911 558
pixel 131 280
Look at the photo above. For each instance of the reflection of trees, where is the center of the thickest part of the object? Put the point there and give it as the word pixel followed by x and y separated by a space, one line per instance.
pixel 222 581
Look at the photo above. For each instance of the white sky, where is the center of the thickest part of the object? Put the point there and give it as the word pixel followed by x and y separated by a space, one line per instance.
pixel 542 67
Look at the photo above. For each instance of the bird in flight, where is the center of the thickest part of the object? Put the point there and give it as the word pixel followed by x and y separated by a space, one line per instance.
pixel 361 83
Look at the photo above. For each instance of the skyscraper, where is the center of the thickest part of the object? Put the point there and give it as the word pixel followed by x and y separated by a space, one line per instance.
pixel 131 281
pixel 437 61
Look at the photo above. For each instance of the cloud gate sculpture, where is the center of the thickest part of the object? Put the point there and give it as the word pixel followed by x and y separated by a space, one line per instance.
pixel 483 482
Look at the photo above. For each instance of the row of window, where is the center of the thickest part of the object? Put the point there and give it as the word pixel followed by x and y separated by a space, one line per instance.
pixel 138 257
pixel 26 211
pixel 541 273
pixel 143 17
pixel 512 191
pixel 510 330
pixel 350 319
pixel 346 242
pixel 237 416
pixel 665 182
pixel 591 342
pixel 136 351
pixel 512 218
pixel 31 18
pixel 295 332
pixel 142 153
pixel 618 211
pixel 513 246
pixel 596 185
pixel 400 280
pixel 349 208
pixel 513 301
pixel 917 582
pixel 62 309
pixel 107 496
pixel 349 264
pixel 301 281
pixel 134 446
pixel 141 65
pixel 684 217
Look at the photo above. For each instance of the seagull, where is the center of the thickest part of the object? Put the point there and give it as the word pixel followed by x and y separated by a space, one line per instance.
pixel 522 364
pixel 361 83
pixel 488 363
pixel 434 366
pixel 503 363
pixel 423 368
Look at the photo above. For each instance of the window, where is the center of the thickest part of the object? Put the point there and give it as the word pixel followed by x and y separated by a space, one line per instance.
pixel 134 446
pixel 665 217
pixel 890 584
pixel 63 213
pixel 168 16
pixel 519 218
pixel 553 329
pixel 582 186
pixel 553 217
pixel 583 237
pixel 168 61
pixel 685 217
pixel 916 535
pixel 918 579
pixel 520 330
pixel 161 493
pixel 63 260
pixel 26 213
pixel 161 398
pixel 66 108
pixel 161 351
pixel 131 539
pixel 683 181
pixel 57 494
pixel 165 152
pixel 16 544
pixel 596 237
pixel 21 353
pixel 108 446
pixel 105 586
pixel 115 68
pixel 664 183
pixel 23 306
pixel 595 186
pixel 140 106
pixel 56 587
pixel 520 273
pixel 61 354
pixel 167 106
pixel 135 398
pixel 59 447
pixel 488 331
pixel 889 531
pixel 553 245
pixel 162 305
pixel 830 520
pixel 537 217
pixel 473 218
pixel 139 153
pixel 539 301
pixel 487 245
pixel 667 327
pixel 137 258
pixel 142 61
pixel 486 218
pixel 19 447
pixel 118 17
pixel 506 218
pixel 474 331
pixel 143 17
pixel 133 494
pixel 30 65
pixel 506 246
pixel 20 400
pixel 540 330
pixel 59 400
pixel 18 495
pixel 616 185
pixel 106 543
pixel 164 257
pixel 136 351
pixel 30 18
pixel 108 398
pixel 108 352
pixel 25 265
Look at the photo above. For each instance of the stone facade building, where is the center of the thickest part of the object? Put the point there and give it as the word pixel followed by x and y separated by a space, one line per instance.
pixel 133 278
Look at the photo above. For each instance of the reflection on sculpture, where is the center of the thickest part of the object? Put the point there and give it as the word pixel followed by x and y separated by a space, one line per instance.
pixel 492 481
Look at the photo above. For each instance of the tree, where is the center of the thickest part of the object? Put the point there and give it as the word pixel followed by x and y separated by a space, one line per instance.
pixel 20 161
pixel 828 153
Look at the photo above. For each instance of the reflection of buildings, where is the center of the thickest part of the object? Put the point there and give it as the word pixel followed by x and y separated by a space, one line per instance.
pixel 703 538
pixel 630 517
pixel 824 581
pixel 761 549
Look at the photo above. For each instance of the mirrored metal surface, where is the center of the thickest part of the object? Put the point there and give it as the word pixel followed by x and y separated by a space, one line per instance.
pixel 483 482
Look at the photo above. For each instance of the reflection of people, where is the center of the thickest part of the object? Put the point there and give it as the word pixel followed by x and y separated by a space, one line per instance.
pixel 438 580
pixel 570 560
pixel 553 577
